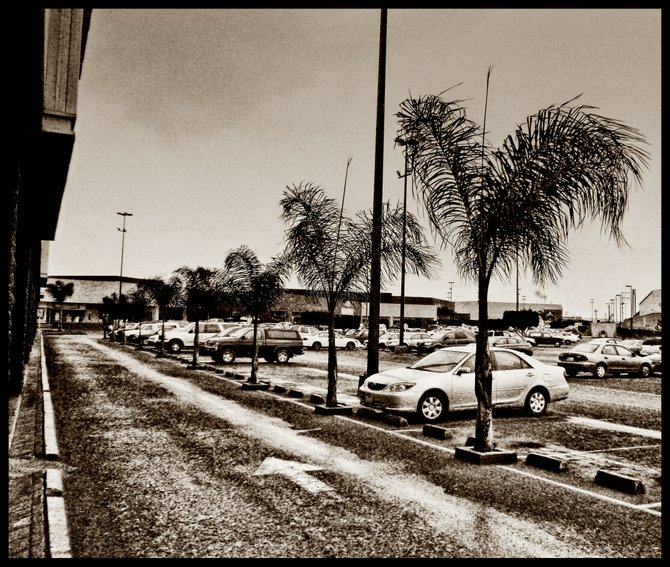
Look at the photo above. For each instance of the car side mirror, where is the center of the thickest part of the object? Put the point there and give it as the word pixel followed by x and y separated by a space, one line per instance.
pixel 464 370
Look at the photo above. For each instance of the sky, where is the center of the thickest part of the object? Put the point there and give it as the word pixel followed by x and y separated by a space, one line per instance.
pixel 196 120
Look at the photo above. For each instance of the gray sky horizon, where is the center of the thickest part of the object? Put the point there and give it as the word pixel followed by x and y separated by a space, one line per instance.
pixel 196 120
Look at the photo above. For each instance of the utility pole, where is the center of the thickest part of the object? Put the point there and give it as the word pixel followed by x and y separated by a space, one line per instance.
pixel 404 142
pixel 123 239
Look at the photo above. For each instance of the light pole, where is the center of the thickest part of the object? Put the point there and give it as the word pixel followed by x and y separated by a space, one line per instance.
pixel 591 300
pixel 123 239
pixel 631 294
pixel 403 142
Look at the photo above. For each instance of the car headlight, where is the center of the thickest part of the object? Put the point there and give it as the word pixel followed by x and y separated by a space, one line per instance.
pixel 399 387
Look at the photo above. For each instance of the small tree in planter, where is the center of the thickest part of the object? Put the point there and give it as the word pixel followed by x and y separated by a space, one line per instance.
pixel 60 292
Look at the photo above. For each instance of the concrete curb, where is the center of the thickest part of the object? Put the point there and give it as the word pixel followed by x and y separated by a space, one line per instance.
pixel 619 482
pixel 56 530
pixel 546 462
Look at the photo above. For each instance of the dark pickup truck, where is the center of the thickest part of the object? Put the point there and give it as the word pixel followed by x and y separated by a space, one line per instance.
pixel 274 345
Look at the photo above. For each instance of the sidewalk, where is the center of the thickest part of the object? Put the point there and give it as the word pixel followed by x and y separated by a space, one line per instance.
pixel 36 515
pixel 27 468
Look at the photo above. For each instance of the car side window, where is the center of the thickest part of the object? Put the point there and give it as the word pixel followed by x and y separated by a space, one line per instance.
pixel 609 349
pixel 508 361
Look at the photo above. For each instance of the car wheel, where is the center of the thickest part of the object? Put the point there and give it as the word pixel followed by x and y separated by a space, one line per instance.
pixel 571 372
pixel 350 346
pixel 316 346
pixel 282 356
pixel 558 343
pixel 645 371
pixel 600 370
pixel 437 347
pixel 536 403
pixel 433 406
pixel 175 346
pixel 227 355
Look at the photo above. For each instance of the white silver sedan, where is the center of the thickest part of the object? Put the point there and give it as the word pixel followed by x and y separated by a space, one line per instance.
pixel 444 381
pixel 319 340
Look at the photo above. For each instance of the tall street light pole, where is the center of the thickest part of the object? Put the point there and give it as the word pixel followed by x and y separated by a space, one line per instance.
pixel 377 204
pixel 123 239
pixel 404 142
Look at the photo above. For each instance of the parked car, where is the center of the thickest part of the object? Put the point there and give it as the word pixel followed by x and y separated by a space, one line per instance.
pixel 449 337
pixel 123 330
pixel 514 343
pixel 145 330
pixel 178 339
pixel 633 344
pixel 652 344
pixel 319 340
pixel 547 338
pixel 444 381
pixel 274 345
pixel 211 345
pixel 410 340
pixel 568 337
pixel 603 358
pixel 384 338
pixel 305 330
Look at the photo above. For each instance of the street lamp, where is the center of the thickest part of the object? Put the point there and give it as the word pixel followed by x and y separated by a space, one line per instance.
pixel 632 306
pixel 591 300
pixel 404 142
pixel 123 238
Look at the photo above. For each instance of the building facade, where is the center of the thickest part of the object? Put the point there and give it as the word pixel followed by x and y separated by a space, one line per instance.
pixel 42 76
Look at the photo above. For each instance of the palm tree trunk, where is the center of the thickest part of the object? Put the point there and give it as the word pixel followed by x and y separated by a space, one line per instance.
pixel 483 376
pixel 253 379
pixel 195 343
pixel 331 394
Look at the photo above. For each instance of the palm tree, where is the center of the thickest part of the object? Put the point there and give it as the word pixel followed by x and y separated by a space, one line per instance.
pixel 561 167
pixel 254 287
pixel 332 253
pixel 60 291
pixel 165 294
pixel 199 292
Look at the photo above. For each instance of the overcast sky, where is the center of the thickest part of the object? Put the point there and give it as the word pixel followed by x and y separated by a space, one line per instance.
pixel 195 121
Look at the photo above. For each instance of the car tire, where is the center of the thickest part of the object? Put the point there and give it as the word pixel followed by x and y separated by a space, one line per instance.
pixel 228 355
pixel 536 402
pixel 436 347
pixel 350 346
pixel 175 346
pixel 645 371
pixel 558 343
pixel 316 346
pixel 433 407
pixel 600 370
pixel 282 356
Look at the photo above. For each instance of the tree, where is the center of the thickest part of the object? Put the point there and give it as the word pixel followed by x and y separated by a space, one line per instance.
pixel 254 287
pixel 165 294
pixel 199 293
pixel 331 253
pixel 561 167
pixel 521 320
pixel 60 291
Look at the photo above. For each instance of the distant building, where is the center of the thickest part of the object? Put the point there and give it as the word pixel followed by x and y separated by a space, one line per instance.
pixel 295 306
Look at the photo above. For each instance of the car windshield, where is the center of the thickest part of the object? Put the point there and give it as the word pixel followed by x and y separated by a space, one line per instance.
pixel 440 360
pixel 586 347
